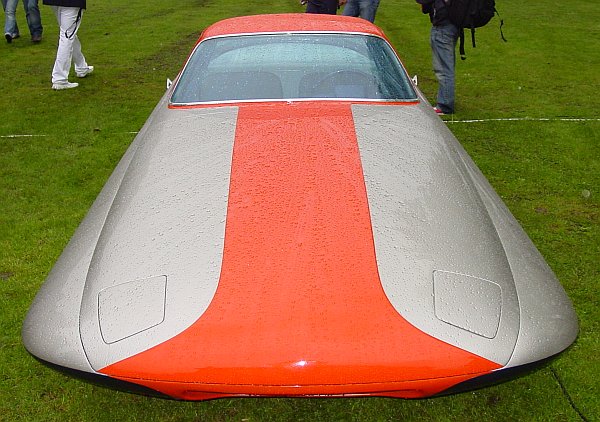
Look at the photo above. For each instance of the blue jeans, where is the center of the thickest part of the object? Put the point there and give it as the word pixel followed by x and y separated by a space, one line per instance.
pixel 32 13
pixel 443 46
pixel 361 9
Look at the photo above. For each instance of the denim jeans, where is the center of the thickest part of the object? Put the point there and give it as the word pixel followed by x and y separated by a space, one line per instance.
pixel 362 9
pixel 443 46
pixel 32 13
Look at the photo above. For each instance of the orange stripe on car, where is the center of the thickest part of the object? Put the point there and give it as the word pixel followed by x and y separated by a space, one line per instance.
pixel 299 309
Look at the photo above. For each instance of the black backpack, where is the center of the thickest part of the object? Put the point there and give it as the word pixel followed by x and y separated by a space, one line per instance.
pixel 471 14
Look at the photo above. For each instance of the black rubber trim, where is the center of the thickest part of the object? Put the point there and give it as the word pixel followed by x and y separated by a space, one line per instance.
pixel 493 378
pixel 496 377
pixel 105 380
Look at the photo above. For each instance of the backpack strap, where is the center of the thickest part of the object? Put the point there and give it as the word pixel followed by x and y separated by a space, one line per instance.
pixel 461 37
pixel 461 40
pixel 501 24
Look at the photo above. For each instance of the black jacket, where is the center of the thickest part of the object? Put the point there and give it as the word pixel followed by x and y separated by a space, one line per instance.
pixel 66 3
pixel 437 9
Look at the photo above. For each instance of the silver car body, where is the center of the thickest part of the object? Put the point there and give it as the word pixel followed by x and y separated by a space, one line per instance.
pixel 145 264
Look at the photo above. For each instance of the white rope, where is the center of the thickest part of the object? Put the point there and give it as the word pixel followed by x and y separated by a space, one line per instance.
pixel 505 119
pixel 21 136
pixel 39 136
pixel 526 119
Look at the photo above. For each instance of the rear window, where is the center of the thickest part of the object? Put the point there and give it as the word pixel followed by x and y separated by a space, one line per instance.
pixel 292 66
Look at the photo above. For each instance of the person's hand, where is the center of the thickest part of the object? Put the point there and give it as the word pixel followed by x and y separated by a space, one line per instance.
pixel 342 2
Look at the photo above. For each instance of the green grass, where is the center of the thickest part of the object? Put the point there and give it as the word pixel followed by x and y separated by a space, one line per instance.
pixel 546 171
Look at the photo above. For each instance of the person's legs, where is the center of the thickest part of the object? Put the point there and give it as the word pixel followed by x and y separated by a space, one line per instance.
pixel 81 66
pixel 368 8
pixel 34 20
pixel 68 26
pixel 69 48
pixel 443 46
pixel 322 6
pixel 11 30
pixel 351 8
pixel 365 9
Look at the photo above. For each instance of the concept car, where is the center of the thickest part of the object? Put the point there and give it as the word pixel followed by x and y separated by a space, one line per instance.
pixel 294 220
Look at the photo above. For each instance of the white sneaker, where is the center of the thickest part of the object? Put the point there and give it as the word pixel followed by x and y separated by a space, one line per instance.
pixel 83 73
pixel 64 85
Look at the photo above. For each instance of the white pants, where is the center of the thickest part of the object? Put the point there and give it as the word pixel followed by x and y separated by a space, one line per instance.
pixel 69 47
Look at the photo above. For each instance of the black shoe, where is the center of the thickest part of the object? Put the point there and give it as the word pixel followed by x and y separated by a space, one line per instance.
pixel 441 112
pixel 36 38
pixel 8 37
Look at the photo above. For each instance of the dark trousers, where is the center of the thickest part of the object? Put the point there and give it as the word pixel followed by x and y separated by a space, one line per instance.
pixel 322 6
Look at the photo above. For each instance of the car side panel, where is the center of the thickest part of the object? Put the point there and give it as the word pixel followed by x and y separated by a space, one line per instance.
pixel 160 251
pixel 440 260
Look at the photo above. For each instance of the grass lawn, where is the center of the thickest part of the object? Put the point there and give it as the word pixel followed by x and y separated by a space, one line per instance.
pixel 58 148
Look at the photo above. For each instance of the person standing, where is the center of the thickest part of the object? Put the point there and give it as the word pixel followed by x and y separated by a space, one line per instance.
pixel 68 14
pixel 329 7
pixel 444 35
pixel 365 9
pixel 32 14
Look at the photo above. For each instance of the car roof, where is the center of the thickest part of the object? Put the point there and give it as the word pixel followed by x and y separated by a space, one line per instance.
pixel 290 22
